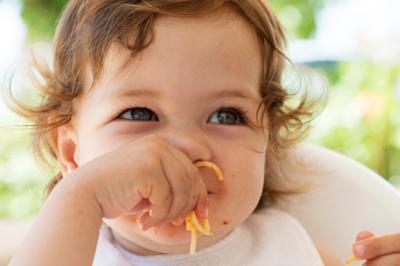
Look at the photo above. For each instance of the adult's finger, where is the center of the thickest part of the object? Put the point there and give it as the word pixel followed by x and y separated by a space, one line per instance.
pixel 377 246
pixel 386 260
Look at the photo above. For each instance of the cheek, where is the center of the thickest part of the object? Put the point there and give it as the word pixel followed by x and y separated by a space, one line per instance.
pixel 248 181
pixel 247 168
pixel 93 145
pixel 244 185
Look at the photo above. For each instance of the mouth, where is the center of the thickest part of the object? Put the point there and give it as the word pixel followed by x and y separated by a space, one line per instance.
pixel 212 194
pixel 214 190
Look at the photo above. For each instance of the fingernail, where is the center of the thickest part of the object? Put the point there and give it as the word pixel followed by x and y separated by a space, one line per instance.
pixel 202 212
pixel 144 210
pixel 178 221
pixel 151 212
pixel 359 250
pixel 181 220
pixel 364 235
pixel 140 226
pixel 145 227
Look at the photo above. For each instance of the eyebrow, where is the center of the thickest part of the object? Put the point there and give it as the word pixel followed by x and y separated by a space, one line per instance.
pixel 136 93
pixel 235 93
pixel 224 93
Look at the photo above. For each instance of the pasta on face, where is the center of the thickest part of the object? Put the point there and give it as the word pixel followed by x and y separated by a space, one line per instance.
pixel 192 222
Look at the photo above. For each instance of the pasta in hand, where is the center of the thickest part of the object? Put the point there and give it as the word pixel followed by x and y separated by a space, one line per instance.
pixel 192 222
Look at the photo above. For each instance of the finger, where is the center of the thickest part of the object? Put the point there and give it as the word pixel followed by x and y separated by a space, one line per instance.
pixel 191 201
pixel 142 207
pixel 202 203
pixel 184 188
pixel 159 195
pixel 190 169
pixel 178 221
pixel 387 260
pixel 364 235
pixel 193 173
pixel 377 246
pixel 173 171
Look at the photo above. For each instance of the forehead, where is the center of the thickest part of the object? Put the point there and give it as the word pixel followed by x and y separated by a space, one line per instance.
pixel 217 49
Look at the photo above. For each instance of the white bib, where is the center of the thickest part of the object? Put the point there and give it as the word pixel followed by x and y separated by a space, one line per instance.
pixel 267 237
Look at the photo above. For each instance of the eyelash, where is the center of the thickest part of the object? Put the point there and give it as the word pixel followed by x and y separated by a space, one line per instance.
pixel 127 108
pixel 242 113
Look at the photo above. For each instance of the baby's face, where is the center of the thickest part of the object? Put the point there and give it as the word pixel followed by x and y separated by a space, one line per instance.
pixel 196 77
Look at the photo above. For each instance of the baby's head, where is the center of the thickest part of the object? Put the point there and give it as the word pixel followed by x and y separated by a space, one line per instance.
pixel 204 75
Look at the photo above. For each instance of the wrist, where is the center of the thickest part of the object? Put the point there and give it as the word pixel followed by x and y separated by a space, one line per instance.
pixel 75 188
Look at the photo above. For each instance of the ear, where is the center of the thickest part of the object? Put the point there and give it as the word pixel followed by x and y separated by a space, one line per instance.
pixel 66 147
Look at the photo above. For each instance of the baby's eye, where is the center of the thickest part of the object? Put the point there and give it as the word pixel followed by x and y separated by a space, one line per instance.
pixel 227 116
pixel 138 114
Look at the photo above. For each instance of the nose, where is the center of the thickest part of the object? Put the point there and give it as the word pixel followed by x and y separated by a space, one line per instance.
pixel 192 142
pixel 196 145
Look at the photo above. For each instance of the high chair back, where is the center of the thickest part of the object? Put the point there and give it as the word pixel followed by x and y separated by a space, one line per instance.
pixel 345 198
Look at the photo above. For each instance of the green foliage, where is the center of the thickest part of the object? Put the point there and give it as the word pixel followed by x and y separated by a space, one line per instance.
pixel 298 17
pixel 21 183
pixel 361 119
pixel 41 17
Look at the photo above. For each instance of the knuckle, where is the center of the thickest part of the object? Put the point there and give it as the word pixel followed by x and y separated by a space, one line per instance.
pixel 161 195
pixel 165 196
pixel 373 248
pixel 193 199
pixel 188 204
pixel 184 183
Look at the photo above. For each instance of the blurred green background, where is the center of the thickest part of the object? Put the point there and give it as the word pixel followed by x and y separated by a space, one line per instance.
pixel 331 41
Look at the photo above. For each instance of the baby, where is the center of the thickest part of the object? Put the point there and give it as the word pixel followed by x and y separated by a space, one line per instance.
pixel 141 91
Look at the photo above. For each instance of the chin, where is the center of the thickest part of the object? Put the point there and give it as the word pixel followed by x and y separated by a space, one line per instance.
pixel 169 234
pixel 165 235
pixel 167 239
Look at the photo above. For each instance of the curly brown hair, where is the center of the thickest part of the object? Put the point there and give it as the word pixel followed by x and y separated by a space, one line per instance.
pixel 87 29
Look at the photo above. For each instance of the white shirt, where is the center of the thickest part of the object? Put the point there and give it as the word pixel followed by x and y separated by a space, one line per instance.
pixel 267 237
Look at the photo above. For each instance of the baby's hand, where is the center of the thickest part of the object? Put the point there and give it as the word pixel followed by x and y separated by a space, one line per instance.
pixel 378 250
pixel 148 177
